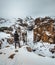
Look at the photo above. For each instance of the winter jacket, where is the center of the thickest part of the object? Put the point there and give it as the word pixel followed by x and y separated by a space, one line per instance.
pixel 16 36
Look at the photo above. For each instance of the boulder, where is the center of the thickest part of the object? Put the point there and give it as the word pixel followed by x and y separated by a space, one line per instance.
pixel 51 40
pixel 10 40
pixel 37 21
pixel 11 56
pixel 29 49
pixel 5 28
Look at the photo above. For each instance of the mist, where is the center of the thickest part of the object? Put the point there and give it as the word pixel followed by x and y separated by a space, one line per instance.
pixel 23 8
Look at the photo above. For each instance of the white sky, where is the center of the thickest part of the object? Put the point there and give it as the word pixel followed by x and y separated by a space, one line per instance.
pixel 22 8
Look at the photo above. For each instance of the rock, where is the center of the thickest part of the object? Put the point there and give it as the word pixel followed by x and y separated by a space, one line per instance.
pixel 44 37
pixel 5 28
pixel 23 24
pixel 52 50
pixel 37 21
pixel 34 34
pixel 34 50
pixel 51 40
pixel 8 32
pixel 7 46
pixel 10 40
pixel 38 37
pixel 0 52
pixel 41 55
pixel 29 49
pixel 41 26
pixel 39 30
pixel 11 56
pixel 53 56
pixel 16 50
pixel 2 39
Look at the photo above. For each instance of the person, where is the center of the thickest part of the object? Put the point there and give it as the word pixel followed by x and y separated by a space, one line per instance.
pixel 16 39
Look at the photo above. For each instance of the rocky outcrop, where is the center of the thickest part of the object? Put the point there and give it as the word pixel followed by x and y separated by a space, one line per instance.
pixel 45 28
pixel 5 28
pixel 10 40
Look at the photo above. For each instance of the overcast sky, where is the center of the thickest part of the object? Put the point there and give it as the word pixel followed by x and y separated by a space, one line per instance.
pixel 22 8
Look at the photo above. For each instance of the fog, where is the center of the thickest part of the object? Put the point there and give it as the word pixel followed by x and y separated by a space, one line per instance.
pixel 23 8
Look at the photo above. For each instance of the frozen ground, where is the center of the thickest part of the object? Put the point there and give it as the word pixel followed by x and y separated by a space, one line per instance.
pixel 40 47
pixel 23 57
pixel 41 55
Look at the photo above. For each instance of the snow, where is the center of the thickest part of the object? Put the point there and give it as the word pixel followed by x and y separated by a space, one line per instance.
pixel 41 55
pixel 8 23
pixel 43 49
pixel 40 47
pixel 4 35
pixel 23 57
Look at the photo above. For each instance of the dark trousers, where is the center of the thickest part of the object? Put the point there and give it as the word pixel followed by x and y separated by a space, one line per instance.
pixel 17 42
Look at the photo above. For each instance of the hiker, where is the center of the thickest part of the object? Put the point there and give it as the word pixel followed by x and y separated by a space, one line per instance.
pixel 16 39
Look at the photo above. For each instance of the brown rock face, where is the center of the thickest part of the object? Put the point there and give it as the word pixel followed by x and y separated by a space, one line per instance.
pixel 43 25
pixel 44 37
pixel 37 21
pixel 34 34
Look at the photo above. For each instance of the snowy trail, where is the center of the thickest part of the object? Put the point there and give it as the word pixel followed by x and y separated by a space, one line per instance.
pixel 23 57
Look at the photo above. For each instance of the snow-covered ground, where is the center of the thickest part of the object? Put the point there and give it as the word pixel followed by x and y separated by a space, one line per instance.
pixel 40 47
pixel 8 23
pixel 21 56
pixel 4 35
pixel 41 56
